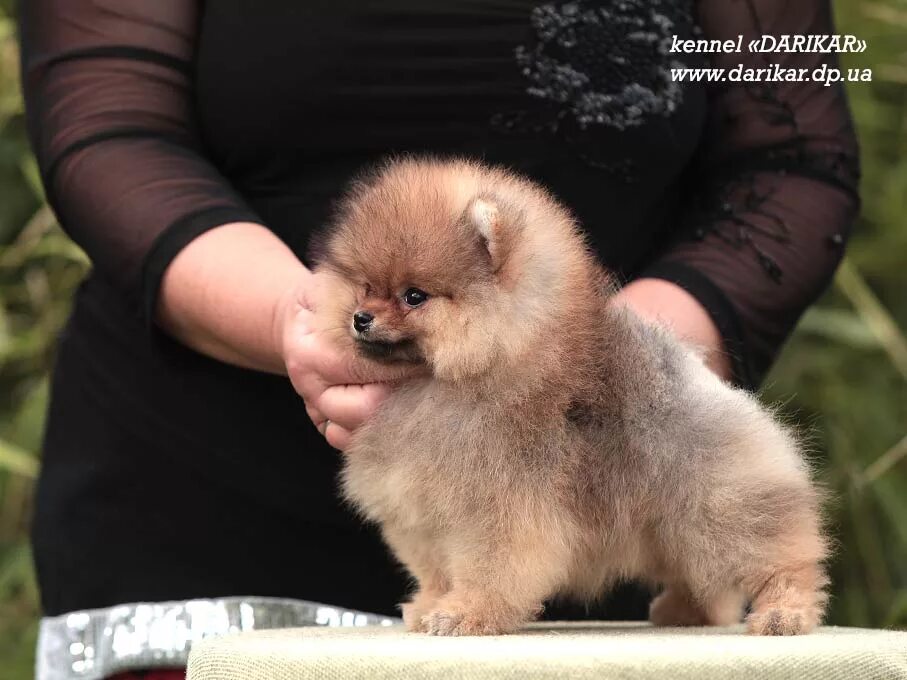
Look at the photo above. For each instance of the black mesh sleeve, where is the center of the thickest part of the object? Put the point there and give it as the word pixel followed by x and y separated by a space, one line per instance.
pixel 108 87
pixel 776 186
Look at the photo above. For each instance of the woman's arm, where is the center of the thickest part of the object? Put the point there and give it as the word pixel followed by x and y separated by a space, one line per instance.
pixel 227 294
pixel 775 195
pixel 109 103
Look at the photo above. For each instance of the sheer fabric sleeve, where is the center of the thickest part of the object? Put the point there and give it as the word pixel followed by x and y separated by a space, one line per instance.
pixel 775 188
pixel 108 87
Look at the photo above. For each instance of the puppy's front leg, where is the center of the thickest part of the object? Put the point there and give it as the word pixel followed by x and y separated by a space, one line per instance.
pixel 497 592
pixel 420 553
pixel 432 587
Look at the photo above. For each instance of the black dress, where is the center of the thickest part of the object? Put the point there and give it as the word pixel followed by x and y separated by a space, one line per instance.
pixel 169 475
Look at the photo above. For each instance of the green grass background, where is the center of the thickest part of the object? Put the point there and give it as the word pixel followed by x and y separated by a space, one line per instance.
pixel 844 373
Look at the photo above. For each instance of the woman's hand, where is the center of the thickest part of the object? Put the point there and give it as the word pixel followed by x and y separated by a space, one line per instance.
pixel 340 389
pixel 669 304
pixel 262 319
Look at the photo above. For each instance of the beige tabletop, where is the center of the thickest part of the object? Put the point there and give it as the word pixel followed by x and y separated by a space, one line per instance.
pixel 578 650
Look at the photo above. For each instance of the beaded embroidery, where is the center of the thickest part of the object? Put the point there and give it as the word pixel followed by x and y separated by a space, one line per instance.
pixel 599 67
pixel 606 63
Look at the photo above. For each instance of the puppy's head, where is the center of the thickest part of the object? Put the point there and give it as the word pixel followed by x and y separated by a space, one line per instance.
pixel 435 272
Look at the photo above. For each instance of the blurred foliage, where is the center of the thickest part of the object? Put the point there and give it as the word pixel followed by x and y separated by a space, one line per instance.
pixel 843 375
pixel 39 270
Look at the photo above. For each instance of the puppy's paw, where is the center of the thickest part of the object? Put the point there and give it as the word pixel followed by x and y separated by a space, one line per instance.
pixel 454 624
pixel 440 622
pixel 421 602
pixel 413 617
pixel 672 608
pixel 779 620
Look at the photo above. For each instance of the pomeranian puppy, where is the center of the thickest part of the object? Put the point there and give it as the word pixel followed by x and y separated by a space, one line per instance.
pixel 557 443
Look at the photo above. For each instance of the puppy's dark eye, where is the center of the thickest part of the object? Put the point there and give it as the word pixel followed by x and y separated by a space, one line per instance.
pixel 414 297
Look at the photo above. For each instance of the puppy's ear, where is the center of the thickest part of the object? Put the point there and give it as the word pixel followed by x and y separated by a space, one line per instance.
pixel 489 218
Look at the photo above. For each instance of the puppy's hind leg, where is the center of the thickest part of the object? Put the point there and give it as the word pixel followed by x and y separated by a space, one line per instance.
pixel 789 601
pixel 677 606
pixel 778 562
pixel 767 543
pixel 787 579
pixel 785 576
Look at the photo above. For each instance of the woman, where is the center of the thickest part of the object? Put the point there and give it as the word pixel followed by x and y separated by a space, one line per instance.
pixel 191 148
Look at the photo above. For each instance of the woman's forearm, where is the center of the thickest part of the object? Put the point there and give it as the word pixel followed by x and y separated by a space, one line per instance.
pixel 227 292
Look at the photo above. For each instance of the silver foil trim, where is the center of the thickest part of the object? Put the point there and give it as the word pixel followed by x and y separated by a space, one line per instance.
pixel 97 643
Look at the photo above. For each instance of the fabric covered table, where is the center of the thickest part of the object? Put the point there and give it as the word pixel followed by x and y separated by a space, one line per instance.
pixel 580 650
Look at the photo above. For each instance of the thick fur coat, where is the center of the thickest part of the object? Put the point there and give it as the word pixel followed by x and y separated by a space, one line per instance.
pixel 558 443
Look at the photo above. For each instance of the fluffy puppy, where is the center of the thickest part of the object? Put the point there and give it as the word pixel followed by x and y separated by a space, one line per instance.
pixel 558 443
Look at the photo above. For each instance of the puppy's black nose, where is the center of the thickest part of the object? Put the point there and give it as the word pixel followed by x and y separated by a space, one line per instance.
pixel 362 321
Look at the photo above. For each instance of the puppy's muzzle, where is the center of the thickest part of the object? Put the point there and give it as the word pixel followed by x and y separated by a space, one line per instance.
pixel 384 351
pixel 382 344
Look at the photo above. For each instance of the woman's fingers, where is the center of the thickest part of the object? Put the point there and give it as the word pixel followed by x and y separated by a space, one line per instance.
pixel 337 436
pixel 341 389
pixel 350 405
pixel 314 414
pixel 341 365
pixel 315 368
pixel 355 369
